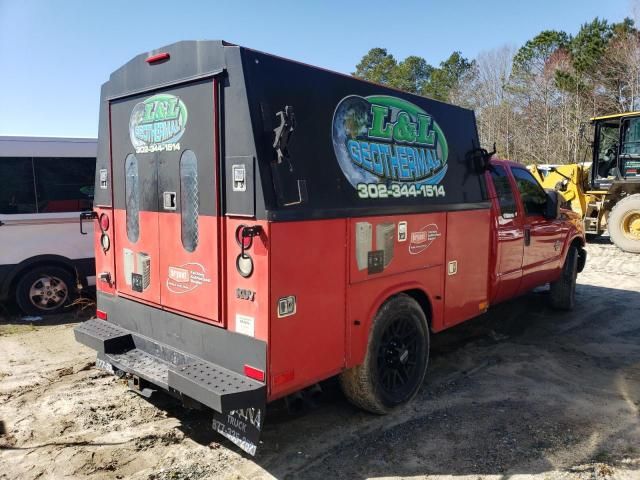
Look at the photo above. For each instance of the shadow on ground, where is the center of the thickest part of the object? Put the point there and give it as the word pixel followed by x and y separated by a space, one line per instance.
pixel 522 389
pixel 82 309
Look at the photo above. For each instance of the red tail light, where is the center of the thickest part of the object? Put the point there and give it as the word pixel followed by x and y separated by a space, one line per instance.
pixel 254 373
pixel 101 315
pixel 104 222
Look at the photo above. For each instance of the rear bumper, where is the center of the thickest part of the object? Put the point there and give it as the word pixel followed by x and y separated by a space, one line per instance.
pixel 183 356
pixel 217 387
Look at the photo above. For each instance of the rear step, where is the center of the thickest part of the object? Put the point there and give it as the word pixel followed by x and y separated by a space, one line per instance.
pixel 142 364
pixel 214 386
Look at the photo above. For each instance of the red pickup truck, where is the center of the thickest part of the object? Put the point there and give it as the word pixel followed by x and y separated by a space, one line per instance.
pixel 265 225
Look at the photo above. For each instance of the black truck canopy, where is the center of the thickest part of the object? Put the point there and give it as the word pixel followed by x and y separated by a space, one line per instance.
pixel 302 142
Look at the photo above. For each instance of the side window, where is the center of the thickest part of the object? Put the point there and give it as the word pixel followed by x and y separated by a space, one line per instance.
pixel 630 158
pixel 132 197
pixel 506 199
pixel 64 184
pixel 532 194
pixel 17 194
pixel 189 200
pixel 631 136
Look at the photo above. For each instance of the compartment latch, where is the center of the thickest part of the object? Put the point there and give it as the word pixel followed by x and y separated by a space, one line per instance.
pixel 169 200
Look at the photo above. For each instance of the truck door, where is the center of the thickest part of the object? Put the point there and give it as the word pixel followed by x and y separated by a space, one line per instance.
pixel 165 195
pixel 542 236
pixel 509 231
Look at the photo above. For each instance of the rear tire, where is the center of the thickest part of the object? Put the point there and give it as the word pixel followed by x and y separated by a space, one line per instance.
pixel 396 360
pixel 624 224
pixel 45 289
pixel 563 290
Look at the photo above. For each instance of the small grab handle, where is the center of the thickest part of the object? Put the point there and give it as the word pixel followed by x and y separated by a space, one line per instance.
pixel 87 216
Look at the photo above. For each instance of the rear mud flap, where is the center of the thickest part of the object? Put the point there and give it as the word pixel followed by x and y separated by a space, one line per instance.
pixel 242 427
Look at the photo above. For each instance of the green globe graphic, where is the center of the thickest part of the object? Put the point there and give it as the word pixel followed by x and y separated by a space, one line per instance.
pixel 351 121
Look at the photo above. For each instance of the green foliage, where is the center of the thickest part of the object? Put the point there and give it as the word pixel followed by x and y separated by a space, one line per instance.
pixel 589 45
pixel 411 74
pixel 591 55
pixel 414 74
pixel 539 50
pixel 376 66
pixel 624 28
pixel 447 78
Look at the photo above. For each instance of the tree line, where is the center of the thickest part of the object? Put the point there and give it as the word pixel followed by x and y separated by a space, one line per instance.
pixel 531 101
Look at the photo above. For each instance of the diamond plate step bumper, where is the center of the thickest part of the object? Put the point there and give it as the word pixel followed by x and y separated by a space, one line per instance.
pixel 212 385
pixel 231 391
pixel 103 337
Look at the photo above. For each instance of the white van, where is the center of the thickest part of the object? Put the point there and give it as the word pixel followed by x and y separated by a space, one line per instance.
pixel 45 184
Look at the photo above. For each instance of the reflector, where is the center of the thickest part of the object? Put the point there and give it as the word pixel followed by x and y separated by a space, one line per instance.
pixel 254 373
pixel 244 264
pixel 104 222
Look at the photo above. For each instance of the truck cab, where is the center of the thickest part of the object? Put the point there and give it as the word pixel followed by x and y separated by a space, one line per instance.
pixel 531 232
pixel 616 150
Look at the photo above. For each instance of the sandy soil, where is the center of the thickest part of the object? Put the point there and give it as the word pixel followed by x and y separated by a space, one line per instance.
pixel 523 392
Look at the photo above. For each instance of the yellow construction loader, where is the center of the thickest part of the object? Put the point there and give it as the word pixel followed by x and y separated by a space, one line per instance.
pixel 605 191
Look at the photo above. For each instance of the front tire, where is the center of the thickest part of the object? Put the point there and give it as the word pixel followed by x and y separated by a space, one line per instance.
pixel 563 290
pixel 396 360
pixel 45 290
pixel 624 224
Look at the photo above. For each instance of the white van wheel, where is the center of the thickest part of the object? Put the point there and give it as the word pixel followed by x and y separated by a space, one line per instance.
pixel 44 290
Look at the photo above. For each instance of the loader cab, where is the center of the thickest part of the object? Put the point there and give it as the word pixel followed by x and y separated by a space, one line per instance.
pixel 616 149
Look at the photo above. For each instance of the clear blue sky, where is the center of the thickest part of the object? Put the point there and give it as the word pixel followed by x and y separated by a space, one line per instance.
pixel 55 54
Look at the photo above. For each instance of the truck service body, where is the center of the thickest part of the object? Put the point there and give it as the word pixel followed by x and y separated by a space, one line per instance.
pixel 257 216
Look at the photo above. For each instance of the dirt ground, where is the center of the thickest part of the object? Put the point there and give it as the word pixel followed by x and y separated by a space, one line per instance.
pixel 523 392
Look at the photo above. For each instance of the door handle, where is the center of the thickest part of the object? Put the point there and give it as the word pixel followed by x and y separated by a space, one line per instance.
pixel 1 223
pixel 527 236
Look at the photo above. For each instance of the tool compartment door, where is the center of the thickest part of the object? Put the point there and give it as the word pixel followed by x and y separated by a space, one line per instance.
pixel 467 267
pixel 135 225
pixel 166 145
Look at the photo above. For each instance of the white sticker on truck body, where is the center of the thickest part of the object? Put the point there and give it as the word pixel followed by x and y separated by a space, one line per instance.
pixel 245 325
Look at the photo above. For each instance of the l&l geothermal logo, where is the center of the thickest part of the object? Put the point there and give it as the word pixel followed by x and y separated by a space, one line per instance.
pixel 157 123
pixel 388 147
